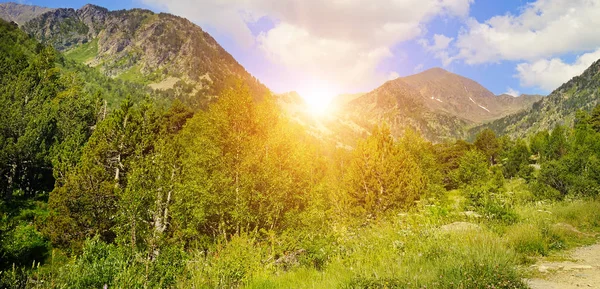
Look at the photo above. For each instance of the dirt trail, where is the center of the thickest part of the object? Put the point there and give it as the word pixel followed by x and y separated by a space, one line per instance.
pixel 582 272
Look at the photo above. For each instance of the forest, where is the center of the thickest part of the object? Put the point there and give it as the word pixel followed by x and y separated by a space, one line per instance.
pixel 110 184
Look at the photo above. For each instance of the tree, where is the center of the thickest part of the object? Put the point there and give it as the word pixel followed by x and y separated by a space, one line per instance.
pixel 448 157
pixel 517 160
pixel 557 143
pixel 85 204
pixel 488 143
pixel 595 118
pixel 473 168
pixel 539 144
pixel 382 176
pixel 242 170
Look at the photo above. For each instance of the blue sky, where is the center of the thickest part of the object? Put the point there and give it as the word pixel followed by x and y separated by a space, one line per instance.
pixel 522 46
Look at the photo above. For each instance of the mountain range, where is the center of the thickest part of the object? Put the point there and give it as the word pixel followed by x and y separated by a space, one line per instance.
pixel 173 55
pixel 163 51
pixel 558 108
pixel 437 103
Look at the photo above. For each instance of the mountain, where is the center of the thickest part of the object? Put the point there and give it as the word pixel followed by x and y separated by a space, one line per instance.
pixel 459 96
pixel 558 108
pixel 13 12
pixel 162 51
pixel 437 103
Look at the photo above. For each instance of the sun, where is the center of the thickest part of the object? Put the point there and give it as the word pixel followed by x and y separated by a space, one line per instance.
pixel 317 97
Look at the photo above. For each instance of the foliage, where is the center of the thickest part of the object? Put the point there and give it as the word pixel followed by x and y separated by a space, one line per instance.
pixel 383 175
pixel 107 184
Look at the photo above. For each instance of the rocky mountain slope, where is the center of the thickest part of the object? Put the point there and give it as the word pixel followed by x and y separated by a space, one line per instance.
pixel 163 51
pixel 464 98
pixel 559 108
pixel 13 12
pixel 437 103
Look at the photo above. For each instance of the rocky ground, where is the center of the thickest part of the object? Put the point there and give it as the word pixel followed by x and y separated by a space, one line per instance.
pixel 582 271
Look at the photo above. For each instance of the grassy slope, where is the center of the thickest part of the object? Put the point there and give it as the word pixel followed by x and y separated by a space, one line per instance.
pixel 413 250
pixel 84 53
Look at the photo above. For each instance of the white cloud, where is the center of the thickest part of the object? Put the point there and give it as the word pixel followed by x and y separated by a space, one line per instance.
pixel 393 75
pixel 512 92
pixel 542 29
pixel 549 74
pixel 418 68
pixel 341 41
pixel 439 47
pixel 440 42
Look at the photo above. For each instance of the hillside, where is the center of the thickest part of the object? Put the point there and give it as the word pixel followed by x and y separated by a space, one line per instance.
pixel 162 51
pixel 18 13
pixel 558 108
pixel 462 97
pixel 437 103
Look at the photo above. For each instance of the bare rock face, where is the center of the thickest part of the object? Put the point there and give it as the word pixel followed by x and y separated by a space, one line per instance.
pixel 93 17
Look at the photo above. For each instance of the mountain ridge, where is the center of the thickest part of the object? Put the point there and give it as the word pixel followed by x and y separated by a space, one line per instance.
pixel 439 104
pixel 161 50
pixel 558 108
pixel 19 13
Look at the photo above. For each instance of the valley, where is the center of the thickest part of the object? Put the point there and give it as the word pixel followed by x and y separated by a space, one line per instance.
pixel 136 152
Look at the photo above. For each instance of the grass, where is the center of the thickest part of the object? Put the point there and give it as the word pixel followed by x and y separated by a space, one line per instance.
pixel 135 75
pixel 84 52
pixel 414 250
pixel 433 246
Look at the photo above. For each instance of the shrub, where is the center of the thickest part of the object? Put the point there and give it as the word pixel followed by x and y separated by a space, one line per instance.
pixel 526 239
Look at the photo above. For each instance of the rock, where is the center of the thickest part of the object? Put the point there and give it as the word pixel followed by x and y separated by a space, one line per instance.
pixel 460 226
pixel 471 214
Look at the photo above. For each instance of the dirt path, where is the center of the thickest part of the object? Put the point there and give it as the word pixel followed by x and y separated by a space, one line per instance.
pixel 582 272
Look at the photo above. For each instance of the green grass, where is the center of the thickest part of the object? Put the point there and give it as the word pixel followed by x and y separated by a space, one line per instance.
pixel 413 250
pixel 134 74
pixel 85 52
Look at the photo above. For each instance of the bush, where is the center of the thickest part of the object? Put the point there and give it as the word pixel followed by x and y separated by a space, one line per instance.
pixel 526 239
pixel 23 246
pixel 228 265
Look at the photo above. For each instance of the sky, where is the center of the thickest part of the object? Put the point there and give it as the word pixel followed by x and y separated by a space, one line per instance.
pixel 346 46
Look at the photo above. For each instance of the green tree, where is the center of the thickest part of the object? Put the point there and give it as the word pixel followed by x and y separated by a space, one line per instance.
pixel 595 118
pixel 86 203
pixel 516 162
pixel 473 168
pixel 382 176
pixel 448 157
pixel 242 170
pixel 488 143
pixel 539 144
pixel 557 143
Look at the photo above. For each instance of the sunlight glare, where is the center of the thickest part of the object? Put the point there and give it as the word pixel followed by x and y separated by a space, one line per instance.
pixel 317 97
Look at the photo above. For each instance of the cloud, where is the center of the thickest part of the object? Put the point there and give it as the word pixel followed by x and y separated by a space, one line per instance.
pixel 549 74
pixel 418 68
pixel 542 29
pixel 512 92
pixel 440 42
pixel 393 75
pixel 341 41
pixel 439 47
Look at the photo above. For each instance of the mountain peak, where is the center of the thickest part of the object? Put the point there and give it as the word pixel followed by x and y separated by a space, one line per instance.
pixel 435 70
pixel 19 13
pixel 92 7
